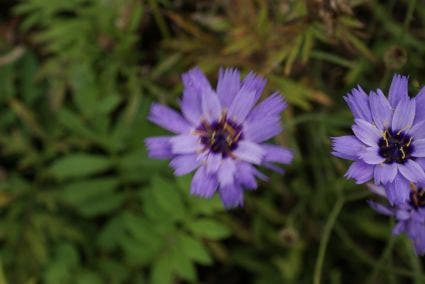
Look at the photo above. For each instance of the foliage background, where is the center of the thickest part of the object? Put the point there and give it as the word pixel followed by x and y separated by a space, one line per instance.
pixel 80 202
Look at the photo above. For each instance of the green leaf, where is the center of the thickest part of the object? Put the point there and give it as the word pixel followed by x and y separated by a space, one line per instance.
pixel 93 197
pixel 167 197
pixel 209 228
pixel 79 165
pixel 182 265
pixel 194 249
pixel 161 272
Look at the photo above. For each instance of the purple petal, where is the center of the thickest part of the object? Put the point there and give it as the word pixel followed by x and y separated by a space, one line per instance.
pixel 385 173
pixel 416 232
pixel 263 129
pixel 228 86
pixel 254 82
pixel 226 172
pixel 377 189
pixel 420 105
pixel 421 162
pixel 399 228
pixel 418 129
pixel 366 132
pixel 211 108
pixel 270 106
pixel 274 168
pixel 185 144
pixel 250 152
pixel 398 191
pixel 231 196
pixel 347 147
pixel 213 162
pixel 385 210
pixel 168 119
pixel 419 148
pixel 263 122
pixel 398 90
pixel 412 171
pixel 184 164
pixel 203 184
pixel 277 154
pixel 195 84
pixel 159 147
pixel 381 110
pixel 402 214
pixel 403 115
pixel 360 172
pixel 358 102
pixel 241 105
pixel 371 156
pixel 246 175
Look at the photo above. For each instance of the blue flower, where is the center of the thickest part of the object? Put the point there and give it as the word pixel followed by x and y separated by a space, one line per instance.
pixel 388 144
pixel 221 134
pixel 410 216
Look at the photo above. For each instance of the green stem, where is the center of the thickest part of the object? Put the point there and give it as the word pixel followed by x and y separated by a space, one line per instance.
pixel 325 239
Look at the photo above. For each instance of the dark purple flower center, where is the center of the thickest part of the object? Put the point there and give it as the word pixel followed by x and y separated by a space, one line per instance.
pixel 395 146
pixel 220 136
pixel 417 197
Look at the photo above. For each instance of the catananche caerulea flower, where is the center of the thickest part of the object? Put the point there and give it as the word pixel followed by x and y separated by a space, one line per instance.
pixel 388 144
pixel 221 134
pixel 410 215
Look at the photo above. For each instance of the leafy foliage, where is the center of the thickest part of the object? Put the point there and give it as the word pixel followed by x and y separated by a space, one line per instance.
pixel 81 202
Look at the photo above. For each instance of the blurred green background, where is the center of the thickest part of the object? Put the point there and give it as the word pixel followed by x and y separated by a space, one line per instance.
pixel 80 201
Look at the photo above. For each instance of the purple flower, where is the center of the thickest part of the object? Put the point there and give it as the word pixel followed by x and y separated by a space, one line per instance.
pixel 388 144
pixel 410 216
pixel 221 134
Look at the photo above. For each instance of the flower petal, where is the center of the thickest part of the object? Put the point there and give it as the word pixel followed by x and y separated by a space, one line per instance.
pixel 412 171
pixel 371 156
pixel 226 172
pixel 358 102
pixel 168 119
pixel 404 115
pixel 419 148
pixel 184 164
pixel 360 172
pixel 398 191
pixel 231 195
pixel 228 86
pixel 211 108
pixel 347 147
pixel 249 151
pixel 185 144
pixel 399 228
pixel 385 173
pixel 418 129
pixel 159 147
pixel 420 105
pixel 377 189
pixel 366 132
pixel 381 110
pixel 398 90
pixel 195 84
pixel 416 232
pixel 385 210
pixel 203 184
pixel 277 154
pixel 254 82
pixel 246 175
pixel 264 121
pixel 213 162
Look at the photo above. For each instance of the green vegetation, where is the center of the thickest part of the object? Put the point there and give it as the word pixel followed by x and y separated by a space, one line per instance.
pixel 80 201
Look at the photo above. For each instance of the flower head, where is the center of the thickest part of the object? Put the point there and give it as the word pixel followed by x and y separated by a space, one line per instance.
pixel 388 144
pixel 410 216
pixel 221 134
